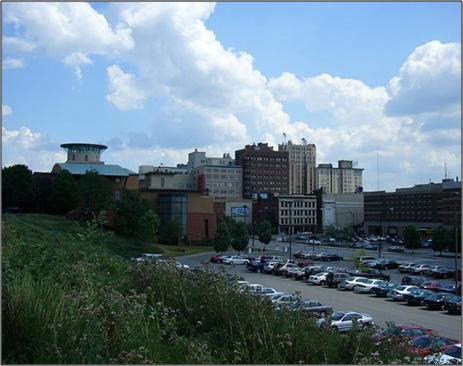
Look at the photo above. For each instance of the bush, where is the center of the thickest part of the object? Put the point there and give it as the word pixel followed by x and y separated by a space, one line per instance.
pixel 170 232
pixel 64 194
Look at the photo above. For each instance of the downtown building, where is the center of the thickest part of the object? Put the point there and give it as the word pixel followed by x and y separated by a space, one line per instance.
pixel 297 213
pixel 346 178
pixel 301 167
pixel 264 170
pixel 424 206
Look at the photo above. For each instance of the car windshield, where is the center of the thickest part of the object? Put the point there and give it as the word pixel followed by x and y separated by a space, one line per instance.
pixel 421 342
pixel 454 351
pixel 337 316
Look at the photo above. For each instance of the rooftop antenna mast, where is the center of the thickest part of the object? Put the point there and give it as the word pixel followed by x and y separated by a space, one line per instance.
pixel 445 170
pixel 284 135
pixel 377 165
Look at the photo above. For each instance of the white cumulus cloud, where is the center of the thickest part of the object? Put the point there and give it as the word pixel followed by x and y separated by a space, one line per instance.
pixel 75 60
pixel 124 93
pixel 6 110
pixel 13 63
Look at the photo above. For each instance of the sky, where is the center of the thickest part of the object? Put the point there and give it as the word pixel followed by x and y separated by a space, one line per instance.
pixel 154 81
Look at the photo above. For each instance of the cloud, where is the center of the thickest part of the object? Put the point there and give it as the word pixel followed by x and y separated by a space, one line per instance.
pixel 124 93
pixel 6 110
pixel 429 81
pixel 13 63
pixel 24 146
pixel 75 60
pixel 18 44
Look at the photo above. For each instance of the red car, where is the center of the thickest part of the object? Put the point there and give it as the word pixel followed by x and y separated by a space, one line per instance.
pixel 428 344
pixel 408 331
pixel 431 285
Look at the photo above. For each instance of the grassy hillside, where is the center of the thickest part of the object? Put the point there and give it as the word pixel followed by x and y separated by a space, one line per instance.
pixel 58 227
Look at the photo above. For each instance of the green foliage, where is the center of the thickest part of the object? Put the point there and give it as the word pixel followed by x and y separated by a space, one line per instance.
pixel 223 237
pixel 440 239
pixel 64 194
pixel 240 236
pixel 148 225
pixel 170 232
pixel 129 213
pixel 356 258
pixel 411 238
pixel 265 232
pixel 79 304
pixel 95 191
pixel 19 189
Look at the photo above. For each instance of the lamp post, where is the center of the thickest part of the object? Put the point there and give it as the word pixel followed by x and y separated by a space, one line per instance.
pixel 456 237
pixel 290 226
pixel 380 244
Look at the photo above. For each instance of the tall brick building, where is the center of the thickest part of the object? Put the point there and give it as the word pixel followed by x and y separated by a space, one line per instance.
pixel 264 170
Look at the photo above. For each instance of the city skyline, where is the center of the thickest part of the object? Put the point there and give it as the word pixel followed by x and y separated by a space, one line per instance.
pixel 154 81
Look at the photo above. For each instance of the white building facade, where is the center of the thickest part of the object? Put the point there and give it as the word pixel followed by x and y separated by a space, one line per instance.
pixel 342 209
pixel 346 178
pixel 297 213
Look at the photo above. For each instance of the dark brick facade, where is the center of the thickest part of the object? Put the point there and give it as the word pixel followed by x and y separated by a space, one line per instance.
pixel 264 170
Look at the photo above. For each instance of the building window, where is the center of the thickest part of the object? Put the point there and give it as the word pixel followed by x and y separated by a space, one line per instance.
pixel 86 157
pixel 162 182
pixel 73 156
pixel 117 196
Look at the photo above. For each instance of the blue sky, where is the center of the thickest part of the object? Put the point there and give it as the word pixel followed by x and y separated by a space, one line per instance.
pixel 154 81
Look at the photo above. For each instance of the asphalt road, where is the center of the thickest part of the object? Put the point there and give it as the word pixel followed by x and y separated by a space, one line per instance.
pixel 380 309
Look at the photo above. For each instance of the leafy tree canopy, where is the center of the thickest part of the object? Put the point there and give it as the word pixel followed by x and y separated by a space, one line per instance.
pixel 64 194
pixel 96 191
pixel 19 189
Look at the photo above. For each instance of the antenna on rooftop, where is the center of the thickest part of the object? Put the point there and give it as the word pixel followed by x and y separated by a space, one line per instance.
pixel 284 135
pixel 445 170
pixel 377 165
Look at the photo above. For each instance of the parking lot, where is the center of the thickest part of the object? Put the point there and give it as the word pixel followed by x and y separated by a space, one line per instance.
pixel 381 309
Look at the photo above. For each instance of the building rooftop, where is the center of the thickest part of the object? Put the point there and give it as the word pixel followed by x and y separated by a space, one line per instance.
pixel 103 169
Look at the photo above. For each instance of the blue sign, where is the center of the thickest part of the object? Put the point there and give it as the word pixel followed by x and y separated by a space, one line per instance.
pixel 239 211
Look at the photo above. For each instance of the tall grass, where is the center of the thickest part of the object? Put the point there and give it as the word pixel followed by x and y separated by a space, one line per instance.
pixel 70 301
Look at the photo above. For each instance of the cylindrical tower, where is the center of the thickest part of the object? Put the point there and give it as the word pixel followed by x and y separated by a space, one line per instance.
pixel 84 153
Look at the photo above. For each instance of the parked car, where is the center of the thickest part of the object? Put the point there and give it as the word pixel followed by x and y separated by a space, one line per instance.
pixel 406 267
pixel 396 249
pixel 443 272
pixel 256 266
pixel 419 268
pixel 235 259
pixel 344 321
pixel 382 290
pixel 311 270
pixel 453 305
pixel 398 293
pixel 270 291
pixel 311 307
pixel 450 356
pixel 315 242
pixel 431 269
pixel 436 301
pixel 367 287
pixel 371 273
pixel 281 271
pixel 328 257
pixel 349 283
pixel 431 285
pixel 270 266
pixel 292 272
pixel 413 280
pixel 447 287
pixel 148 257
pixel 336 279
pixel 407 331
pixel 427 344
pixel 284 299
pixel 382 264
pixel 416 297
pixel 317 279
pixel 366 258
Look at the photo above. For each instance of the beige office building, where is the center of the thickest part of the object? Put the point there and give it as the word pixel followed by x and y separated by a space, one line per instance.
pixel 301 167
pixel 297 213
pixel 346 178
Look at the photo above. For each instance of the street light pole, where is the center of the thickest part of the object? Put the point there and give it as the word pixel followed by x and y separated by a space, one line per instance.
pixel 456 238
pixel 290 226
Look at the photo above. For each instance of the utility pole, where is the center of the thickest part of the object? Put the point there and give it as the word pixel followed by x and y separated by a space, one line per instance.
pixel 290 226
pixel 456 238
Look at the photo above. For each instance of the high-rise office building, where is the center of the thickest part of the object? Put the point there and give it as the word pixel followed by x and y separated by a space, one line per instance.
pixel 346 178
pixel 301 166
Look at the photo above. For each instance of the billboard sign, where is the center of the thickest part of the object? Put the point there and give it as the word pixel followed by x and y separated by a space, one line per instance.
pixel 239 211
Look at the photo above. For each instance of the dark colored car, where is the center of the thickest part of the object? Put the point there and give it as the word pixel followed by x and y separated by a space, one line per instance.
pixel 311 307
pixel 328 257
pixel 416 297
pixel 408 331
pixel 300 254
pixel 383 264
pixel 372 273
pixel 443 272
pixel 311 270
pixel 453 305
pixel 255 266
pixel 436 301
pixel 447 287
pixel 333 281
pixel 430 285
pixel 413 280
pixel 382 290
pixel 427 344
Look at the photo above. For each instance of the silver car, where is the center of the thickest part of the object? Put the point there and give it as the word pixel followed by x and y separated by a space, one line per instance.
pixel 343 321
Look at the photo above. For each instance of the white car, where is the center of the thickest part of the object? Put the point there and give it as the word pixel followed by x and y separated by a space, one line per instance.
pixel 406 267
pixel 318 278
pixel 315 242
pixel 269 291
pixel 348 284
pixel 343 321
pixel 419 268
pixel 180 265
pixel 235 259
pixel 284 299
pixel 367 287
pixel 451 356
pixel 398 293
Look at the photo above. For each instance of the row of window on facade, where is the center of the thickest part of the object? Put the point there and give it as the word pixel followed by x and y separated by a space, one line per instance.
pixel 223 177
pixel 297 212
pixel 296 220
pixel 237 171
pixel 297 204
pixel 264 158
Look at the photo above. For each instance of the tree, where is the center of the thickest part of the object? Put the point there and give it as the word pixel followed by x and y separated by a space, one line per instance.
pixel 148 225
pixel 95 191
pixel 240 236
pixel 265 232
pixel 129 213
pixel 440 239
pixel 170 232
pixel 411 238
pixel 19 189
pixel 223 237
pixel 64 194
